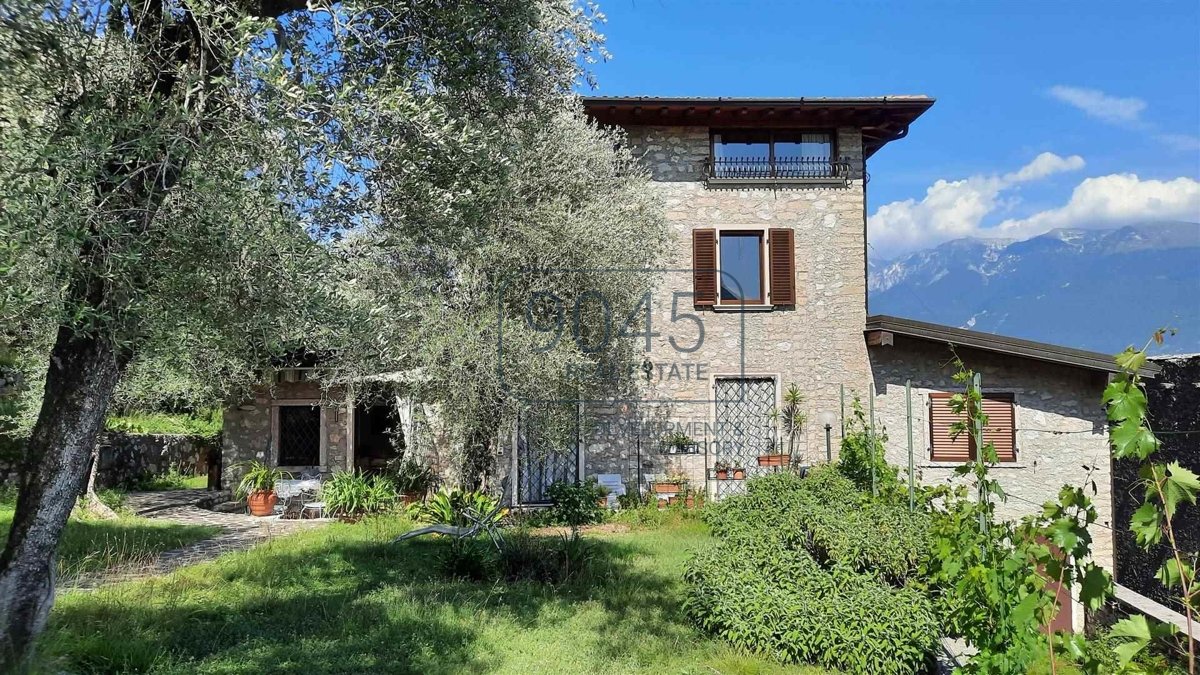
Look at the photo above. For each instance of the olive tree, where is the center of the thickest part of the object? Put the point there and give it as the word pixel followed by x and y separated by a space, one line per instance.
pixel 173 172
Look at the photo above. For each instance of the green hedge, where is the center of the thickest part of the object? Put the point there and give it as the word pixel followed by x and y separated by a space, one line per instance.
pixel 770 599
pixel 815 570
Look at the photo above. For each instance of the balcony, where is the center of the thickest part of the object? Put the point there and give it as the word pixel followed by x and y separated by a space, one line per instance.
pixel 785 171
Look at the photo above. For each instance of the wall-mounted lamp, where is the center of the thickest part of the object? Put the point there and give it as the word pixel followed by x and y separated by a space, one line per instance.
pixel 827 420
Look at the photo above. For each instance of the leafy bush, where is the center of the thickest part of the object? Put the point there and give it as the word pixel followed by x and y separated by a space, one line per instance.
pixel 450 507
pixel 410 476
pixel 205 424
pixel 523 557
pixel 576 504
pixel 764 597
pixel 861 457
pixel 352 494
pixel 813 569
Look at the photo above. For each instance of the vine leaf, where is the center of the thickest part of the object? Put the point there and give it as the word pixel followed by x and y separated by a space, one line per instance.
pixel 1125 401
pixel 1181 485
pixel 1132 439
pixel 1147 524
pixel 1095 587
pixel 1141 632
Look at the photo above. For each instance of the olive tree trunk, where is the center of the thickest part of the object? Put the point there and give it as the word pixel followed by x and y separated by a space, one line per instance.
pixel 79 385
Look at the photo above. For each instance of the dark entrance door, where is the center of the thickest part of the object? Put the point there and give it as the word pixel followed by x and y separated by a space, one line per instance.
pixel 378 436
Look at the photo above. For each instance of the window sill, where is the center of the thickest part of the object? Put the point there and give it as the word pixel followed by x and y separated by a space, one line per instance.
pixel 777 182
pixel 929 464
pixel 743 308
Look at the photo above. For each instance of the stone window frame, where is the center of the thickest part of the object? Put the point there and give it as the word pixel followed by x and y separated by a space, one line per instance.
pixel 323 452
pixel 764 252
pixel 927 461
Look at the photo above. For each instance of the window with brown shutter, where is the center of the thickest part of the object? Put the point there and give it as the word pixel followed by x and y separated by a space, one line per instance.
pixel 1000 429
pixel 782 253
pixel 704 267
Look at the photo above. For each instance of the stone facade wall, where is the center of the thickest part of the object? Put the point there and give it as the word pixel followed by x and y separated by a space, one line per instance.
pixel 249 428
pixel 1174 402
pixel 817 344
pixel 1061 427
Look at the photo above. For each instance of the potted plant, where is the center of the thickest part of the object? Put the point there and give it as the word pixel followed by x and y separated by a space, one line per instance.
pixel 739 473
pixel 776 459
pixel 722 470
pixel 791 419
pixel 677 442
pixel 413 479
pixel 258 487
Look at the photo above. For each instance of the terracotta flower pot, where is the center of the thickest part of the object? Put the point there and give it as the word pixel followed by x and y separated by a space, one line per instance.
pixel 739 474
pixel 661 488
pixel 690 502
pixel 672 501
pixel 772 460
pixel 602 502
pixel 723 474
pixel 262 503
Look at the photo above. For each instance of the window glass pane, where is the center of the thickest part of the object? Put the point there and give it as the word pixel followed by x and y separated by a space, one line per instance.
pixel 741 154
pixel 807 145
pixel 741 267
pixel 299 435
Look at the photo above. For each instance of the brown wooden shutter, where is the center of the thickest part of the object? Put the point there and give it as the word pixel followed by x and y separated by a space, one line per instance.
pixel 1001 427
pixel 941 417
pixel 1000 430
pixel 704 266
pixel 782 263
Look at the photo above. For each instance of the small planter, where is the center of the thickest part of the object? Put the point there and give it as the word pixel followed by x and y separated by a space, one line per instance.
pixel 723 474
pixel 773 460
pixel 262 503
pixel 667 488
pixel 602 502
pixel 739 474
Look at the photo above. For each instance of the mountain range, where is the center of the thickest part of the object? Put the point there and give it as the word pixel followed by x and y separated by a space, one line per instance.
pixel 1091 289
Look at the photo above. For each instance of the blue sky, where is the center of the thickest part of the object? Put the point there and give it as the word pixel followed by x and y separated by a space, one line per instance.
pixel 1049 114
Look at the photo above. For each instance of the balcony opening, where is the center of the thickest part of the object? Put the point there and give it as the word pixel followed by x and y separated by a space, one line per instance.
pixel 775 156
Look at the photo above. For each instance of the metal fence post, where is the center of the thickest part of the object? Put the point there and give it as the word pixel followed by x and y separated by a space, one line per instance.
pixel 843 390
pixel 977 432
pixel 908 406
pixel 871 436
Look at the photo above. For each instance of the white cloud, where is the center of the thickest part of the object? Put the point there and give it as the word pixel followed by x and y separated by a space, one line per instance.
pixel 953 209
pixel 1112 109
pixel 1180 142
pixel 1113 200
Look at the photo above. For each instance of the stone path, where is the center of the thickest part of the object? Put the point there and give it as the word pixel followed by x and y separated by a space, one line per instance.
pixel 240 531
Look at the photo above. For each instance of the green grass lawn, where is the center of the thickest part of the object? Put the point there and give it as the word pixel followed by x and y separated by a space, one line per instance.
pixel 343 600
pixel 92 545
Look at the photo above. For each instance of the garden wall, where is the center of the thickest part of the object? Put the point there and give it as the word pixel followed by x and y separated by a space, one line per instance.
pixel 124 457
pixel 1174 401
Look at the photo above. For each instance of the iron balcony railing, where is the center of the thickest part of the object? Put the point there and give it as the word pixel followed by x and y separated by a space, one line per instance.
pixel 778 169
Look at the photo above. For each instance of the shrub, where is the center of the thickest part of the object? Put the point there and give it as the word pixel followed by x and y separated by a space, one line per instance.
pixel 205 424
pixel 352 494
pixel 861 457
pixel 548 560
pixel 469 559
pixel 450 507
pixel 410 476
pixel 764 597
pixel 576 504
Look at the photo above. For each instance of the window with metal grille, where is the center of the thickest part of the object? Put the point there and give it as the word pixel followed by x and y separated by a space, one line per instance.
pixel 756 154
pixel 299 435
pixel 1000 430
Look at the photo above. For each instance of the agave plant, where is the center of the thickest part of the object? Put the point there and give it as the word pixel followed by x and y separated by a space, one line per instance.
pixel 450 507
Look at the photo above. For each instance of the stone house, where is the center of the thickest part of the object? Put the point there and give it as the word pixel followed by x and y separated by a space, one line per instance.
pixel 766 288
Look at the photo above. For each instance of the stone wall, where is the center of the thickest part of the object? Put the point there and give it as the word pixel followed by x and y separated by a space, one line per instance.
pixel 817 344
pixel 1174 401
pixel 249 433
pixel 1061 427
pixel 126 458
